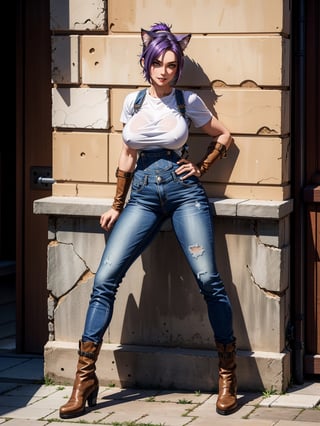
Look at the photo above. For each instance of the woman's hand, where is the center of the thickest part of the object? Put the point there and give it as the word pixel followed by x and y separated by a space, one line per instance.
pixel 187 167
pixel 108 219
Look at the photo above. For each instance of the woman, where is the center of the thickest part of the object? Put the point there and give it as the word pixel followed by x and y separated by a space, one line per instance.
pixel 164 184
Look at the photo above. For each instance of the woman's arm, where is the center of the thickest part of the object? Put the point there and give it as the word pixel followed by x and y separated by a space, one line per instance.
pixel 216 149
pixel 124 173
pixel 218 131
pixel 127 159
pixel 219 145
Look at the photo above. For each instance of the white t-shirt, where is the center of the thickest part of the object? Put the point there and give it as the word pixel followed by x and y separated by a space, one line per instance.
pixel 159 123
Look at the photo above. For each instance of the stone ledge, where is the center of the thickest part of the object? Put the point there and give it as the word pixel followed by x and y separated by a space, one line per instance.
pixel 76 206
pixel 167 367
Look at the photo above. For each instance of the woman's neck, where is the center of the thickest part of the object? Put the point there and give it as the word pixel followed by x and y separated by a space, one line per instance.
pixel 159 92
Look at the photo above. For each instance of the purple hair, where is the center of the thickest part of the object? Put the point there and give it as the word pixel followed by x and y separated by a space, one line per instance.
pixel 159 40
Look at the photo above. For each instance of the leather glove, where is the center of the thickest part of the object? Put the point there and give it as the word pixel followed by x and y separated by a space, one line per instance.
pixel 123 184
pixel 215 150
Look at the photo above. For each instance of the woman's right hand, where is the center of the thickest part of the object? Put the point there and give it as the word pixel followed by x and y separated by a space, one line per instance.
pixel 109 218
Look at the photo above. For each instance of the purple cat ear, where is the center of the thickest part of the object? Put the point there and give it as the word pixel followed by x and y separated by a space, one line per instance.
pixel 183 40
pixel 146 36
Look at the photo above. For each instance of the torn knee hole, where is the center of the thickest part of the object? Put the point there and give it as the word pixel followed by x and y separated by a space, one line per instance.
pixel 196 250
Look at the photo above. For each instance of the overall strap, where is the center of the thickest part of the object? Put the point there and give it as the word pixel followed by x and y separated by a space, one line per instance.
pixel 139 100
pixel 180 102
pixel 182 108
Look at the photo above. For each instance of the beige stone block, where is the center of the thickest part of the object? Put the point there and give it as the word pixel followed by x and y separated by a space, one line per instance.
pixel 265 209
pixel 251 160
pixel 62 278
pixel 117 96
pixel 64 189
pixel 242 110
pixel 127 366
pixel 105 191
pixel 84 108
pixel 85 207
pixel 110 60
pixel 269 268
pixel 80 157
pixel 65 59
pixel 256 279
pixel 76 15
pixel 253 192
pixel 82 234
pixel 234 60
pixel 73 306
pixel 237 60
pixel 115 147
pixel 250 110
pixel 219 16
pixel 273 232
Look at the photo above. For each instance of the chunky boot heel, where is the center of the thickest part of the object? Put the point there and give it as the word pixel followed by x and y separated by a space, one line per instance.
pixel 92 398
pixel 86 384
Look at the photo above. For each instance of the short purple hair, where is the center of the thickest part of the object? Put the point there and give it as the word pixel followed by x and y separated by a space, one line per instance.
pixel 159 40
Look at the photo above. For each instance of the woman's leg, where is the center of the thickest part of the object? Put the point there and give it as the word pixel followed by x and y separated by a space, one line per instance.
pixel 132 233
pixel 193 226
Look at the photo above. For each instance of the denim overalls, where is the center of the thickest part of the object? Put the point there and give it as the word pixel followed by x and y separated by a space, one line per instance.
pixel 157 193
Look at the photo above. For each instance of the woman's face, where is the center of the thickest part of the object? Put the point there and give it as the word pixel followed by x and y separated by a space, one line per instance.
pixel 164 69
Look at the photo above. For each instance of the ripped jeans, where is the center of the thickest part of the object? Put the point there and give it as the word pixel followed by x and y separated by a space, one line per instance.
pixel 157 193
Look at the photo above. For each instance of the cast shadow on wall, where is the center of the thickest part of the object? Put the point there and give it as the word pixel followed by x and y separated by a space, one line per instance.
pixel 194 78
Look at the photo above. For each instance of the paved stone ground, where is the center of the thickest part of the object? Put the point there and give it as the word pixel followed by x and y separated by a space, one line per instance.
pixel 25 400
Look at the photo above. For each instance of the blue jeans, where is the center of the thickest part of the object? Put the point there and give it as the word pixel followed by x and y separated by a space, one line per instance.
pixel 156 194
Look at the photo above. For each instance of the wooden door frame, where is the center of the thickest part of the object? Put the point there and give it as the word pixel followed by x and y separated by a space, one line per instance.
pixel 33 148
pixel 311 193
pixel 305 178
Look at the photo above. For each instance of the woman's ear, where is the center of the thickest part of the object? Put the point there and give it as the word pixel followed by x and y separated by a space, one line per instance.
pixel 184 41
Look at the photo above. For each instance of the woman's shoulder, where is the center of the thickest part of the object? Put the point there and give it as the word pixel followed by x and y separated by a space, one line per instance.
pixel 131 96
pixel 196 109
pixel 130 100
pixel 189 95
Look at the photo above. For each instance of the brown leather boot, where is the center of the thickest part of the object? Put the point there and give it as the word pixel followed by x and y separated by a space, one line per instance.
pixel 227 398
pixel 86 384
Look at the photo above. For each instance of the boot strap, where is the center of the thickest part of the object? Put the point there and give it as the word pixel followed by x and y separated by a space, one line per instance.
pixel 90 355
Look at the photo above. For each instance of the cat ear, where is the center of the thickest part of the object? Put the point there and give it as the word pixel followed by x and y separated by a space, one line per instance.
pixel 146 37
pixel 184 41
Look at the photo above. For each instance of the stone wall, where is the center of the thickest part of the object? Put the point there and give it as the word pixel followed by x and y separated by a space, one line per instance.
pixel 238 60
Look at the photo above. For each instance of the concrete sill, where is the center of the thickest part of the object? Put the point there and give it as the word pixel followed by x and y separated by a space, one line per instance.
pixel 76 206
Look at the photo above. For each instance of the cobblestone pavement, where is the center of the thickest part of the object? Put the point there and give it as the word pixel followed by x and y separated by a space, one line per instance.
pixel 26 400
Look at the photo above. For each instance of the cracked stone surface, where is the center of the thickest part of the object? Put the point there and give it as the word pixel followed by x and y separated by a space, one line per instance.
pixel 65 267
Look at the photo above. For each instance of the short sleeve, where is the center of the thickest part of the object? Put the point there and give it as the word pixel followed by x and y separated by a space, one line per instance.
pixel 128 107
pixel 196 109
